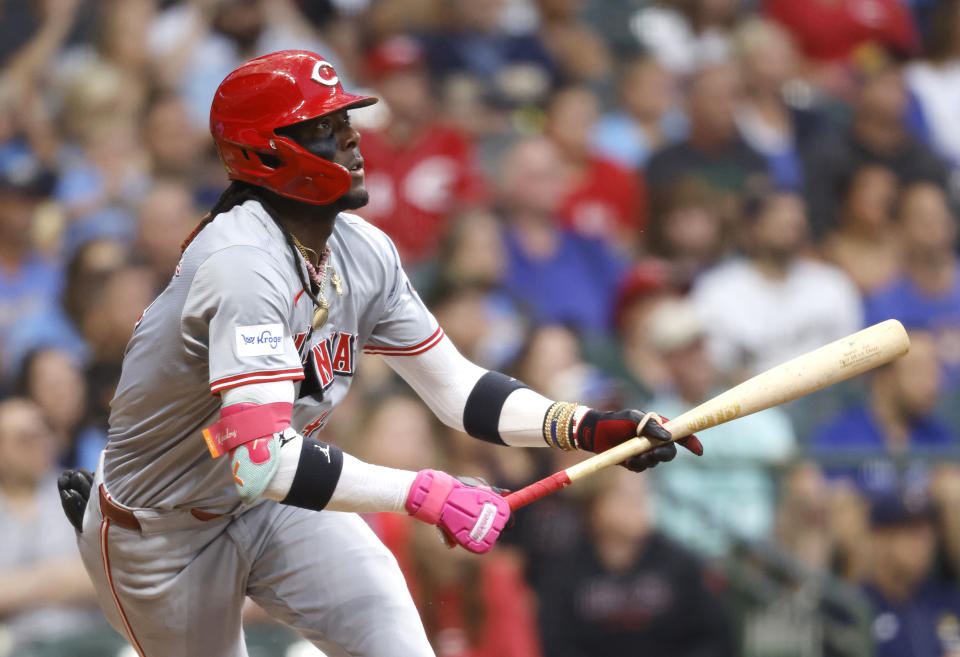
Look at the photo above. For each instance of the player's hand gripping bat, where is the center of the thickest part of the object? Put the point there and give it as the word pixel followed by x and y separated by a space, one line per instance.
pixel 864 350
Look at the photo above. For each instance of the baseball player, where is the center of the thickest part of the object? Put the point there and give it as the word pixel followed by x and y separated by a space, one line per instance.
pixel 212 484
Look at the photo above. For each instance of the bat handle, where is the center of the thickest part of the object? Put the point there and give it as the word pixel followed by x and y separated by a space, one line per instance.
pixel 537 489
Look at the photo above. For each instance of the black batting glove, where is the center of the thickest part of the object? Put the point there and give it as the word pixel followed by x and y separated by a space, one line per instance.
pixel 74 486
pixel 598 431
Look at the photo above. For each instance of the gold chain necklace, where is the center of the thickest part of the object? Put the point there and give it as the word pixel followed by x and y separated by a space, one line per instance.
pixel 318 274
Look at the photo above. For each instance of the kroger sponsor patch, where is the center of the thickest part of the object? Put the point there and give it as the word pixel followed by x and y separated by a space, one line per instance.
pixel 259 340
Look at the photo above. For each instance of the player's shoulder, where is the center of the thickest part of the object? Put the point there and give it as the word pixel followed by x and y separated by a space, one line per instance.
pixel 357 231
pixel 242 239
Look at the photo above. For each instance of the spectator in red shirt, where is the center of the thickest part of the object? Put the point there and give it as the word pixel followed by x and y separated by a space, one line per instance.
pixel 419 172
pixel 605 201
pixel 832 29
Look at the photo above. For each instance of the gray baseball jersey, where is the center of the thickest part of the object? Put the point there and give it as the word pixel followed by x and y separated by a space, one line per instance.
pixel 235 313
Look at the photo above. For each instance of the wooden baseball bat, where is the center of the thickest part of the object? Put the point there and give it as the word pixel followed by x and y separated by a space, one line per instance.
pixel 864 350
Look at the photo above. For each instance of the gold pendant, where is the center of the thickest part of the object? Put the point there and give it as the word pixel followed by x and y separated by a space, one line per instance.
pixel 320 315
pixel 337 283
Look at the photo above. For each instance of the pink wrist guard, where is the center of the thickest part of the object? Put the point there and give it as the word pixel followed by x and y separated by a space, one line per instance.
pixel 472 516
pixel 240 424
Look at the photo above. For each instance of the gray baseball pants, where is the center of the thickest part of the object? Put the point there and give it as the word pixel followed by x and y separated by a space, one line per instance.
pixel 176 588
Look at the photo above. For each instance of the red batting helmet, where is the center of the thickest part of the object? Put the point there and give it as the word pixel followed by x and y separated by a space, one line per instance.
pixel 271 92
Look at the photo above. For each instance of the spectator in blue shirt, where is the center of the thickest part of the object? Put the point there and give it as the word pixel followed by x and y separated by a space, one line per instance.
pixel 27 280
pixel 927 293
pixel 885 440
pixel 563 278
pixel 912 614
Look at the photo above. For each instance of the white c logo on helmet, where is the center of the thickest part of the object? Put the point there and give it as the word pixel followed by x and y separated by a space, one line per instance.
pixel 328 78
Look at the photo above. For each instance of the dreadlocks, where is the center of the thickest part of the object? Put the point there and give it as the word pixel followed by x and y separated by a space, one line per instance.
pixel 237 193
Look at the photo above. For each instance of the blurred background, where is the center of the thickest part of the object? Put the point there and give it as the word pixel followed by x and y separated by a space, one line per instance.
pixel 627 203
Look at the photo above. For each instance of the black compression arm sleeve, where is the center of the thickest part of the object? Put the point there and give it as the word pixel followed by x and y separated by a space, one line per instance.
pixel 481 415
pixel 318 472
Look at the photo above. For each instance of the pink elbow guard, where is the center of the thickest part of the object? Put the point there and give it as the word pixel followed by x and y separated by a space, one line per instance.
pixel 240 424
pixel 473 516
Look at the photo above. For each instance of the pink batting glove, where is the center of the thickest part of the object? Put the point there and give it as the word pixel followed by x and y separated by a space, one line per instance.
pixel 471 516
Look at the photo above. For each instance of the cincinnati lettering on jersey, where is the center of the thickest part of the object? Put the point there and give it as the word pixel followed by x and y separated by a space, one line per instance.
pixel 336 355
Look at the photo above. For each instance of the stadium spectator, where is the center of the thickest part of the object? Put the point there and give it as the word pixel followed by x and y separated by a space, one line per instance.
pixel 636 362
pixel 714 152
pixel 603 200
pixel 804 304
pixel 625 585
pixel 44 591
pixel 28 281
pixel 58 321
pixel 684 35
pixel 419 172
pixel 864 242
pixel 176 147
pixel 165 217
pixel 877 134
pixel 54 380
pixel 935 81
pixel 926 295
pixel 581 54
pixel 689 228
pixel 646 118
pixel 194 45
pixel 802 525
pixel 772 127
pixel 888 440
pixel 509 67
pixel 561 276
pixel 470 607
pixel 912 614
pixel 732 484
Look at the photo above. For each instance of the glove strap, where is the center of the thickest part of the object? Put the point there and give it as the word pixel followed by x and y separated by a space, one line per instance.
pixel 428 494
pixel 242 423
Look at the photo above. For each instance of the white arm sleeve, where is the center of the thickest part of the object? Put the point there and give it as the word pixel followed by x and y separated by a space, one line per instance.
pixel 444 379
pixel 259 393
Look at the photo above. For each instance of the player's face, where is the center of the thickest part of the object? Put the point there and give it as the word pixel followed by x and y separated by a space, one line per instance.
pixel 333 138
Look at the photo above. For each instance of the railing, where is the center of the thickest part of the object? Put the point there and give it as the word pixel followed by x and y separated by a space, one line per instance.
pixel 783 607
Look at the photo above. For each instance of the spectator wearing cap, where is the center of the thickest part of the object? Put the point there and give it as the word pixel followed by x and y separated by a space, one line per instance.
pixel 732 484
pixel 419 172
pixel 604 201
pixel 28 281
pixel 894 434
pixel 926 294
pixel 562 277
pixel 635 361
pixel 877 133
pixel 773 303
pixel 912 614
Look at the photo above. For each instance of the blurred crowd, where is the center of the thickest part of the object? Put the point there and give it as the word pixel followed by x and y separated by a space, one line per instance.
pixel 627 203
